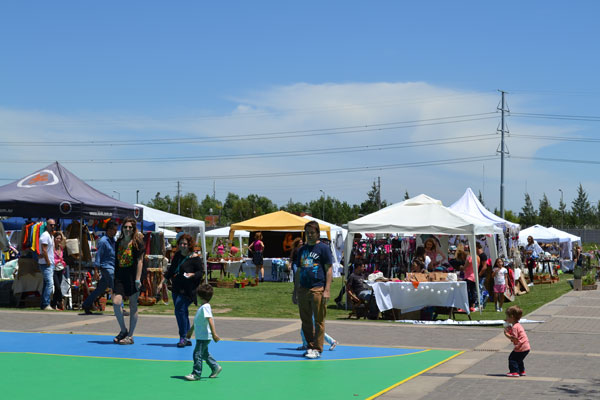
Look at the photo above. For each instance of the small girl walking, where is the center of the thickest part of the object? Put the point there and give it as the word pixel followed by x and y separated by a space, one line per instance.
pixel 499 273
pixel 514 331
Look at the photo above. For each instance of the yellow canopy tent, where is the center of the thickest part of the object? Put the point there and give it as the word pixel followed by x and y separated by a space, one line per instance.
pixel 275 221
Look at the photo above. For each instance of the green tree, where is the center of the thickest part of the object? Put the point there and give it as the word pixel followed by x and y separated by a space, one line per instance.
pixel 373 202
pixel 527 216
pixel 480 198
pixel 165 203
pixel 581 210
pixel 211 206
pixel 189 206
pixel 295 207
pixel 545 212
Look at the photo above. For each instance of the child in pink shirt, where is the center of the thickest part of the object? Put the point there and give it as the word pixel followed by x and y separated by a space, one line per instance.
pixel 515 332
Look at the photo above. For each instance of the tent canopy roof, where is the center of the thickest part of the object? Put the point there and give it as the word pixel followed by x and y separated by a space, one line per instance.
pixel 540 234
pixel 420 215
pixel 164 219
pixel 54 191
pixel 224 232
pixel 469 204
pixel 563 234
pixel 275 221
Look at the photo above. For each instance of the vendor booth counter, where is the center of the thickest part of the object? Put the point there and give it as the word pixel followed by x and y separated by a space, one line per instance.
pixel 412 296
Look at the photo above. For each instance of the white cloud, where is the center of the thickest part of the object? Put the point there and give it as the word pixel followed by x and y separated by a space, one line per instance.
pixel 293 108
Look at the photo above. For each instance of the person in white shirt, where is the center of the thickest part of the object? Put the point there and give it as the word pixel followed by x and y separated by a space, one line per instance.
pixel 46 264
pixel 532 253
pixel 499 274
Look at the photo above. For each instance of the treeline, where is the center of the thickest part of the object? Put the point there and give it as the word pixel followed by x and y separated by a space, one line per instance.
pixel 235 209
pixel 581 214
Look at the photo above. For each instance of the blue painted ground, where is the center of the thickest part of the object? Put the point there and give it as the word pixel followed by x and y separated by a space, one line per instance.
pixel 153 348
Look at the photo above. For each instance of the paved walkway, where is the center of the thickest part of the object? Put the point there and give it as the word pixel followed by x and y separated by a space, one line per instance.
pixel 564 362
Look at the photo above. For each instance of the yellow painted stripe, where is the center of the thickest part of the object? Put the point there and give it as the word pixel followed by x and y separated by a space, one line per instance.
pixel 413 376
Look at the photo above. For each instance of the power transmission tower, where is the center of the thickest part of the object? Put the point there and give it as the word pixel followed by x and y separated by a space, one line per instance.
pixel 503 149
pixel 178 198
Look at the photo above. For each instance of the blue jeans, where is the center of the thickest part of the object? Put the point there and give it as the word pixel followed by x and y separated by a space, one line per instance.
pixel 201 353
pixel 107 279
pixel 515 361
pixel 182 303
pixel 48 274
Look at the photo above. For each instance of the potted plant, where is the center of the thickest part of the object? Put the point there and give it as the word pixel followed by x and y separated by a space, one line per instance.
pixel 227 281
pixel 589 281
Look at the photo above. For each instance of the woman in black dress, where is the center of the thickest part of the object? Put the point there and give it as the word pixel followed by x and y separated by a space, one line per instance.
pixel 128 277
pixel 185 274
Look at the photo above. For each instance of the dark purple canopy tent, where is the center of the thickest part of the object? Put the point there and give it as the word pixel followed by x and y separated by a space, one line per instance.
pixel 54 191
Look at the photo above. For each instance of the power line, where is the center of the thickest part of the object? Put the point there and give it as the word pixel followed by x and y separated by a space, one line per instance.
pixel 557 138
pixel 300 173
pixel 275 154
pixel 563 160
pixel 262 136
pixel 590 118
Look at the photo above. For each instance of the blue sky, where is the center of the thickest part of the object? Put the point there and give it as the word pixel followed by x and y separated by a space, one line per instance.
pixel 110 71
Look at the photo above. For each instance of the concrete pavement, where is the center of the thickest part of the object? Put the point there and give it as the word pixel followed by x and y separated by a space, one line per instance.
pixel 564 361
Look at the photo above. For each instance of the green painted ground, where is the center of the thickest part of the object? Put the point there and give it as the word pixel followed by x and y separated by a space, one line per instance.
pixel 26 376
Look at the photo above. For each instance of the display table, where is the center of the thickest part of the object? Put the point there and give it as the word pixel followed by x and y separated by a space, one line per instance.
pixel 270 275
pixel 404 296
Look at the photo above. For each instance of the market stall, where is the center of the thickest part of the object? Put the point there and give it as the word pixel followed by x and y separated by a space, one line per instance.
pixel 278 221
pixel 469 204
pixel 55 192
pixel 163 219
pixel 420 215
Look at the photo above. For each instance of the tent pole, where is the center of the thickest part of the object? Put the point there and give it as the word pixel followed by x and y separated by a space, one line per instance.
pixel 79 260
pixel 204 252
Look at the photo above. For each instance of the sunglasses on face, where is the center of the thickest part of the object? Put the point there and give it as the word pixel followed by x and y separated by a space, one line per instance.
pixel 129 228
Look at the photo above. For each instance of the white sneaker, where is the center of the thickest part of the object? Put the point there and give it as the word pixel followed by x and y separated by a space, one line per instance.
pixel 48 308
pixel 307 352
pixel 335 343
pixel 312 354
pixel 216 372
pixel 192 377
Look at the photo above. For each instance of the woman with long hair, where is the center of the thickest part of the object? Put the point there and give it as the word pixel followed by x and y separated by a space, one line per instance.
pixel 185 274
pixel 257 247
pixel 433 252
pixel 128 277
pixel 60 269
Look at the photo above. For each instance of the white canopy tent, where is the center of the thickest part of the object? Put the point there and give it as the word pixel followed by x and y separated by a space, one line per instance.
pixel 421 215
pixel 163 219
pixel 224 233
pixel 469 204
pixel 540 234
pixel 567 246
pixel 169 234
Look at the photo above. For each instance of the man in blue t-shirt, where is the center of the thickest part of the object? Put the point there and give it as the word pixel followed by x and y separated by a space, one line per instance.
pixel 312 284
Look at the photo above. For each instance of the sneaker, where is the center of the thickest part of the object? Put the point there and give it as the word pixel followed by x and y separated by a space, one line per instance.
pixel 48 308
pixel 308 353
pixel 301 348
pixel 339 304
pixel 87 311
pixel 497 309
pixel 192 377
pixel 513 374
pixel 188 342
pixel 312 354
pixel 523 373
pixel 125 313
pixel 335 343
pixel 216 372
pixel 181 343
pixel 500 309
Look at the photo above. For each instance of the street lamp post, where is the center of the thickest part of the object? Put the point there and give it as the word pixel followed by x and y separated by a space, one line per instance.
pixel 137 196
pixel 119 194
pixel 323 212
pixel 562 213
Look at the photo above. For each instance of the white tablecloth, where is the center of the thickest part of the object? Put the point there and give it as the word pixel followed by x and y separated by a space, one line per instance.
pixel 404 296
